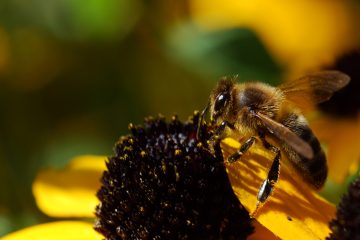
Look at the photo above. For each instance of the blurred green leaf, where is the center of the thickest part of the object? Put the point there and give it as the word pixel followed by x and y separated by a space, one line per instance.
pixel 61 150
pixel 225 52
pixel 10 223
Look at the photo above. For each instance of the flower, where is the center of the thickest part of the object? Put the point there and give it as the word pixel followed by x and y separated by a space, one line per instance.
pixel 168 175
pixel 163 183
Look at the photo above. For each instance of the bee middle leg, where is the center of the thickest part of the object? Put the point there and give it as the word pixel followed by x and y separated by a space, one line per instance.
pixel 267 186
pixel 236 156
pixel 219 131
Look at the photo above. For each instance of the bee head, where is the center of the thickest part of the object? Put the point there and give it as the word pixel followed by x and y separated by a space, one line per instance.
pixel 220 99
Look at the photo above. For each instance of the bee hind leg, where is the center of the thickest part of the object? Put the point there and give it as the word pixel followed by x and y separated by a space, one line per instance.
pixel 236 156
pixel 267 186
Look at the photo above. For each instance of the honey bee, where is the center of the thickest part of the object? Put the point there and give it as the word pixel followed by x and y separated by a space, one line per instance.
pixel 256 110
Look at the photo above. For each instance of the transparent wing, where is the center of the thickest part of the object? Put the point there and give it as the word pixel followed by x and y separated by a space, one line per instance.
pixel 286 135
pixel 314 88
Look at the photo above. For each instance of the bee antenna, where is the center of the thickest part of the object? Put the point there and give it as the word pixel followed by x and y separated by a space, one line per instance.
pixel 201 119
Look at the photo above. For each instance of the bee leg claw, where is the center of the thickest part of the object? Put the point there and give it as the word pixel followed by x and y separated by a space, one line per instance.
pixel 236 156
pixel 258 206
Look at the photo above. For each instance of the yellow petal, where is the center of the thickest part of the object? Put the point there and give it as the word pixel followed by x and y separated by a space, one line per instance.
pixel 302 34
pixel 70 192
pixel 64 230
pixel 293 211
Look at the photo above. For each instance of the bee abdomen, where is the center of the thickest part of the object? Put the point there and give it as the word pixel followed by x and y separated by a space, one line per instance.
pixel 314 171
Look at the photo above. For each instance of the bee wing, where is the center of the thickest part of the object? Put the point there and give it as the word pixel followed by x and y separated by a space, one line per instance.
pixel 284 134
pixel 314 88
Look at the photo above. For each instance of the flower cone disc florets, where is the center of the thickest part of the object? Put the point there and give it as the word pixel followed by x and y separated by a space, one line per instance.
pixel 162 183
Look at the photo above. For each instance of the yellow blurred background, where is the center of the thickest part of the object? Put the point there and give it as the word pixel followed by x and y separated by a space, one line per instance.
pixel 74 74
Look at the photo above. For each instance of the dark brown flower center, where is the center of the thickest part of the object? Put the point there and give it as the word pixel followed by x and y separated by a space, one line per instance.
pixel 162 183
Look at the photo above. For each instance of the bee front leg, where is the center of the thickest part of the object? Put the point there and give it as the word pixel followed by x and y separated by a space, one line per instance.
pixel 221 128
pixel 200 121
pixel 219 131
pixel 217 151
pixel 218 135
pixel 236 156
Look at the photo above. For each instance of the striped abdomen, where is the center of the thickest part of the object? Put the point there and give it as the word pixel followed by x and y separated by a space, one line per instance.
pixel 314 171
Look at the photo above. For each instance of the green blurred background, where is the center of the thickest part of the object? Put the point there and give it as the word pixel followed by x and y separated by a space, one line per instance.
pixel 74 74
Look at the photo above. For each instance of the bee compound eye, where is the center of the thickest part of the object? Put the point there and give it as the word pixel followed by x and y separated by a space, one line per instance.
pixel 220 102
